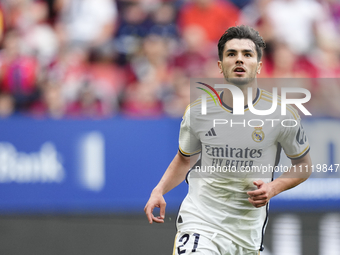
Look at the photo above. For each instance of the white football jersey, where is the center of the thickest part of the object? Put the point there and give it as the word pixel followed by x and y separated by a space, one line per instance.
pixel 235 151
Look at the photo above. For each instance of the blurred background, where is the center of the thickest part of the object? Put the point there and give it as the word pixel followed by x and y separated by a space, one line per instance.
pixel 91 97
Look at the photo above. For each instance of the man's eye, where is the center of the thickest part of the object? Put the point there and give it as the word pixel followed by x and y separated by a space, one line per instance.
pixel 248 55
pixel 231 54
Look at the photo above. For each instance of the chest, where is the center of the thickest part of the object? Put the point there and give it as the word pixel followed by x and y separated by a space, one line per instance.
pixel 239 133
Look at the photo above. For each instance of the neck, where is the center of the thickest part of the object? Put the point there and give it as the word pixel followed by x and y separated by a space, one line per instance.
pixel 228 97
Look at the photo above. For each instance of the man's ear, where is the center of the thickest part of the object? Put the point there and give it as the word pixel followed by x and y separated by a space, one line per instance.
pixel 259 67
pixel 219 63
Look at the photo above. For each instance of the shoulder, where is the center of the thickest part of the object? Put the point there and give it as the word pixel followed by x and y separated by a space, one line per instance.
pixel 195 108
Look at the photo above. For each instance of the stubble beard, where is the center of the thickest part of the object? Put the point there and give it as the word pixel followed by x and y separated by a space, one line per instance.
pixel 239 81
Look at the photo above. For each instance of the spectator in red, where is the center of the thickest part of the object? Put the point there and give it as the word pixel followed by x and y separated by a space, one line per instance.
pixel 141 101
pixel 326 59
pixel 88 104
pixel 285 64
pixel 107 77
pixel 70 70
pixel 195 51
pixel 51 104
pixel 18 72
pixel 214 16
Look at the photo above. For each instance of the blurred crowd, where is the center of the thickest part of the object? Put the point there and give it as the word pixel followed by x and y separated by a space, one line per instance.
pixel 102 58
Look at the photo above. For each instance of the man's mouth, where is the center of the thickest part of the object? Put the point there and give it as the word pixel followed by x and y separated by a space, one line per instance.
pixel 239 70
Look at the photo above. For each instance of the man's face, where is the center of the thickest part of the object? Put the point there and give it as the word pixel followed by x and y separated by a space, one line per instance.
pixel 239 63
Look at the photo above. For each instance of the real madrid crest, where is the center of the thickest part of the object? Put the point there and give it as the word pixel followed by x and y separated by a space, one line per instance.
pixel 258 134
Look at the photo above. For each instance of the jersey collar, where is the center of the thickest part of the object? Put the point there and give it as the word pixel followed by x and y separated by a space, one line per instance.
pixel 246 106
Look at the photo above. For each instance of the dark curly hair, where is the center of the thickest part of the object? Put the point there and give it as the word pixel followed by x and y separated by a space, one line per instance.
pixel 242 32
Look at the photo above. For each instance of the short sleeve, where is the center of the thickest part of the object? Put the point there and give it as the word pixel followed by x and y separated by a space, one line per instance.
pixel 293 138
pixel 189 144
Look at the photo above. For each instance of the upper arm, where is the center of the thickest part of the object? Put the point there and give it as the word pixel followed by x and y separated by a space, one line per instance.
pixel 191 160
pixel 306 159
pixel 294 139
pixel 189 143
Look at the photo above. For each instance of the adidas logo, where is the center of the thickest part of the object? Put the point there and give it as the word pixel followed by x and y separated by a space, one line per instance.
pixel 211 132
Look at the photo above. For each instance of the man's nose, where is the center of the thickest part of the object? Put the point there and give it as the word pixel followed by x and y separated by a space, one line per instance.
pixel 239 59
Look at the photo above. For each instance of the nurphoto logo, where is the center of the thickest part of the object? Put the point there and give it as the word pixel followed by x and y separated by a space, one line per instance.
pixel 238 99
